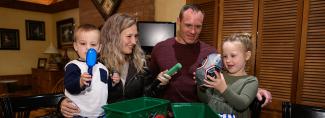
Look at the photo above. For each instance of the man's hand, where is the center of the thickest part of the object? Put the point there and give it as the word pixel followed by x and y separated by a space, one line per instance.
pixel 68 108
pixel 268 96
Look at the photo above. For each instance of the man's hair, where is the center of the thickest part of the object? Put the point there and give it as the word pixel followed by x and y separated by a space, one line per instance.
pixel 195 8
pixel 83 28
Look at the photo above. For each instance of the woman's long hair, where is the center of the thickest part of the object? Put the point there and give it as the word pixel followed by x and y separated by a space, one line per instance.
pixel 111 54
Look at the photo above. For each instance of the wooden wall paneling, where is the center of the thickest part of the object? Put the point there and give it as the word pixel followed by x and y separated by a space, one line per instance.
pixel 278 49
pixel 88 13
pixel 311 84
pixel 143 9
pixel 236 17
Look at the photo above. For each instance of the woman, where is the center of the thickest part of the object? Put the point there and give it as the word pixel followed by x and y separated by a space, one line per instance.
pixel 121 54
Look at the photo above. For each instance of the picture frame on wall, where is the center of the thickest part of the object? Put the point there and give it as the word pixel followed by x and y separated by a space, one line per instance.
pixel 106 7
pixel 9 39
pixel 41 63
pixel 65 30
pixel 35 30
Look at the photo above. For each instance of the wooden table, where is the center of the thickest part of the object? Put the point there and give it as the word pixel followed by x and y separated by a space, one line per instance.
pixel 7 83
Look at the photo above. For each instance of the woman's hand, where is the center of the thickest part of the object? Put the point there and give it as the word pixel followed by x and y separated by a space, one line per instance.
pixel 115 78
pixel 163 78
pixel 68 108
pixel 264 93
pixel 85 78
pixel 218 83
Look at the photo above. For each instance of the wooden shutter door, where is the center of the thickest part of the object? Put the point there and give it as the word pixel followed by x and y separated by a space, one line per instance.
pixel 208 33
pixel 311 87
pixel 278 49
pixel 238 16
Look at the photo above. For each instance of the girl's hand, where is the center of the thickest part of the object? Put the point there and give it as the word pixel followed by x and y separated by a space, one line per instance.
pixel 115 78
pixel 218 83
pixel 85 78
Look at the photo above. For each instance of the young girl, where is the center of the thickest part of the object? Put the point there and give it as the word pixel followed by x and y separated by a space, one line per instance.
pixel 88 97
pixel 232 91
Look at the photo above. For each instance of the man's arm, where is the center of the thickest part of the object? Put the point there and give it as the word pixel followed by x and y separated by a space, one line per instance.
pixel 268 96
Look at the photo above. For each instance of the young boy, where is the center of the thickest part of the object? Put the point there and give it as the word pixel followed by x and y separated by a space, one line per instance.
pixel 88 92
pixel 232 91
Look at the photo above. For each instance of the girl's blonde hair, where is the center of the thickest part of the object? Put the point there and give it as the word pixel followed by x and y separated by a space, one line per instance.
pixel 244 38
pixel 111 54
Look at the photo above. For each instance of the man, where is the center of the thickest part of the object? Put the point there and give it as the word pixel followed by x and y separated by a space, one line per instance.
pixel 190 52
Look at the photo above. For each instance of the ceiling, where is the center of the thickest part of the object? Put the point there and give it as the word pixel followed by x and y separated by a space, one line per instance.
pixel 47 6
pixel 43 2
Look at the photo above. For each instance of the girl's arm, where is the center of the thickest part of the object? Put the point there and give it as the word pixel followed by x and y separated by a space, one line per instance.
pixel 242 100
pixel 239 101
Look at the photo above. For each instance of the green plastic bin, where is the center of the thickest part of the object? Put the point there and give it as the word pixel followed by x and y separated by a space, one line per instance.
pixel 193 110
pixel 144 107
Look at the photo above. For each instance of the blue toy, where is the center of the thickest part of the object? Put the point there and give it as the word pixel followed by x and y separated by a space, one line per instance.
pixel 91 60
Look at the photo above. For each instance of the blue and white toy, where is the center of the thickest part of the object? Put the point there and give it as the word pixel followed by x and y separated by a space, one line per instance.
pixel 212 63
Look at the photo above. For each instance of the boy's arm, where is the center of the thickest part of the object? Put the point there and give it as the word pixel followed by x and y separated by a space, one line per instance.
pixel 72 79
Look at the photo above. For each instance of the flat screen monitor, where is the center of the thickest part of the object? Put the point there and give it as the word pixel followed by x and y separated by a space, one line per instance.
pixel 151 33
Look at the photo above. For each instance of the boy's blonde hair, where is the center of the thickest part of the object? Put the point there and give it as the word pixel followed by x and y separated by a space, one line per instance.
pixel 244 38
pixel 84 28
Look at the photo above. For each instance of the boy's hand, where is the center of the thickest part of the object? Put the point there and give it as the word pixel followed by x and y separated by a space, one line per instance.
pixel 85 78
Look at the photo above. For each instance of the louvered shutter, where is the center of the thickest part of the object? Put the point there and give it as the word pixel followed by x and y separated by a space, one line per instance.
pixel 311 89
pixel 208 33
pixel 238 16
pixel 278 47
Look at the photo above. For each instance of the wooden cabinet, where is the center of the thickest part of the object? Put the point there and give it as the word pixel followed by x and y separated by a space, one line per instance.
pixel 45 80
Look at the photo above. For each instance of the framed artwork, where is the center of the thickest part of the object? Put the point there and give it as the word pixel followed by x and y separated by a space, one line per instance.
pixel 35 30
pixel 41 62
pixel 106 7
pixel 65 30
pixel 9 39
